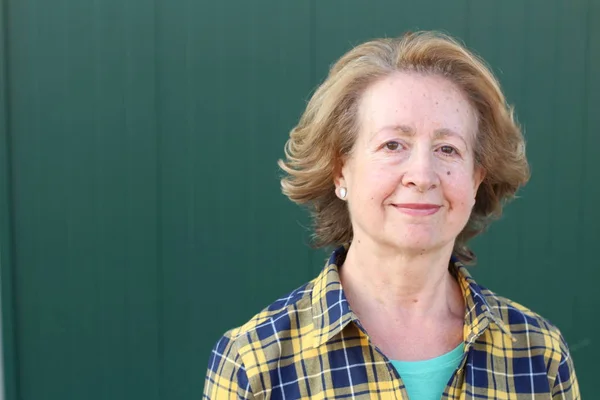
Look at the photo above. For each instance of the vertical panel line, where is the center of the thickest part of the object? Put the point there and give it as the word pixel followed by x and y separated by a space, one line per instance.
pixel 8 372
pixel 313 44
pixel 585 132
pixel 158 214
pixel 313 84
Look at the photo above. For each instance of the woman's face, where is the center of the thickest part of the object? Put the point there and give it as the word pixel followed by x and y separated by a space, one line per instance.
pixel 411 179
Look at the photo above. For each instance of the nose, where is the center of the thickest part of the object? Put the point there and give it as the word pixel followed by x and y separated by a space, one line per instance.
pixel 420 173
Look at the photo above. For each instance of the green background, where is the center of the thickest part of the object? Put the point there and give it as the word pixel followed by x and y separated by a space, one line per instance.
pixel 140 209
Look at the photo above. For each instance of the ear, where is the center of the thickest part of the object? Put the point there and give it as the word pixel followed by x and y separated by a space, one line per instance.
pixel 478 177
pixel 339 177
pixel 339 181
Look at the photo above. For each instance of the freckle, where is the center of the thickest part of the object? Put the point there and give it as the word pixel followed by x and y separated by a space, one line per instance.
pixel 415 300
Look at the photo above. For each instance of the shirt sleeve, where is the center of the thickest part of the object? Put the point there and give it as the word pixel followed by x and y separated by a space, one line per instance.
pixel 566 386
pixel 226 376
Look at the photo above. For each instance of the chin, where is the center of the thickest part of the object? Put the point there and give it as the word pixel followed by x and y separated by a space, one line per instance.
pixel 414 247
pixel 416 243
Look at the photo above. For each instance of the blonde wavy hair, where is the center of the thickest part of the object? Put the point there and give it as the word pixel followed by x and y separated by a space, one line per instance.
pixel 328 128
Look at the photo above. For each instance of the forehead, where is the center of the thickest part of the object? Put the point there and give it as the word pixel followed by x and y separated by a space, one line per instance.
pixel 425 103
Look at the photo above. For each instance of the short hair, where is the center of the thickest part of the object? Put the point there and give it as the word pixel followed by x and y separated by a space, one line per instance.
pixel 327 130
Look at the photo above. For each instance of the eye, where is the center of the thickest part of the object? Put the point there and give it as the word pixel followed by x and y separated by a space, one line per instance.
pixel 393 146
pixel 448 150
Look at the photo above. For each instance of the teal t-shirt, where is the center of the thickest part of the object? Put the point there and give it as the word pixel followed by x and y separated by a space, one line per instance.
pixel 427 379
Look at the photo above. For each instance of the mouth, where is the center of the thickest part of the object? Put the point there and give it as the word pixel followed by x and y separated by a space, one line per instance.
pixel 417 209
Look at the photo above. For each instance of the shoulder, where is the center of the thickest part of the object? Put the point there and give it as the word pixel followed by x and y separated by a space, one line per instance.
pixel 290 315
pixel 536 340
pixel 292 308
pixel 525 324
pixel 519 318
pixel 520 322
pixel 241 351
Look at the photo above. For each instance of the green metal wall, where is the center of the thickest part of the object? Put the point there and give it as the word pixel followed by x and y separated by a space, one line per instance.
pixel 140 208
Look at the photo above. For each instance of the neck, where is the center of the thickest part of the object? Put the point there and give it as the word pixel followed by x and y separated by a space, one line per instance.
pixel 396 283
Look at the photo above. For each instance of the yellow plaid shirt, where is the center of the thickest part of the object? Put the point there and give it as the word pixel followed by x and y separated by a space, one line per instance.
pixel 310 345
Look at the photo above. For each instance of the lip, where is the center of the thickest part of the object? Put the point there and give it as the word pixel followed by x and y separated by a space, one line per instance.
pixel 417 209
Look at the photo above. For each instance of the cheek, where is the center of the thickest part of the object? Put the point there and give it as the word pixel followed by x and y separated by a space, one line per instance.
pixel 459 189
pixel 379 182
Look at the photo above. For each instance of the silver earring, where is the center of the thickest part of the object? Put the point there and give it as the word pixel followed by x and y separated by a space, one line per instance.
pixel 343 193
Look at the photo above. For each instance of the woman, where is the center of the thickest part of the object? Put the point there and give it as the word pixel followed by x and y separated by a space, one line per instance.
pixel 404 153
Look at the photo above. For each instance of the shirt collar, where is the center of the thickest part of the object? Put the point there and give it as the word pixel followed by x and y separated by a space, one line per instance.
pixel 331 311
pixel 478 312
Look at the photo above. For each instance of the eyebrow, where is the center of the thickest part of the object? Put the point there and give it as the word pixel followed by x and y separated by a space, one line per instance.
pixel 405 129
pixel 438 133
pixel 445 132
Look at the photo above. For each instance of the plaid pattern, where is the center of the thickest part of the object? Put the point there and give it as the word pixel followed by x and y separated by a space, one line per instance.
pixel 309 345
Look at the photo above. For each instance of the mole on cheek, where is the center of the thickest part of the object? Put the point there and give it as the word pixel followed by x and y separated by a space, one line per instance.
pixel 448 173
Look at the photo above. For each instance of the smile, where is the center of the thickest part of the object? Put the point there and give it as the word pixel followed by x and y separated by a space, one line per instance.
pixel 417 209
